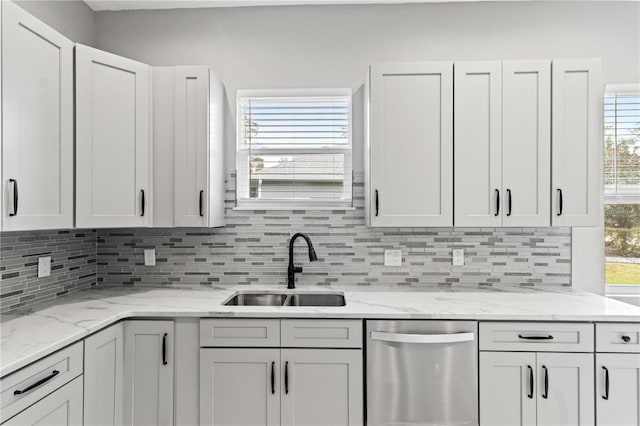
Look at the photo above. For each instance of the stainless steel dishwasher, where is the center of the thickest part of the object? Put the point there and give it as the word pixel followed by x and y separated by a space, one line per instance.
pixel 422 373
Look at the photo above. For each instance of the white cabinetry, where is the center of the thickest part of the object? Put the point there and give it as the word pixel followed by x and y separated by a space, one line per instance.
pixel 577 142
pixel 37 124
pixel 113 141
pixel 409 144
pixel 148 373
pixel 502 143
pixel 188 154
pixel 61 408
pixel 618 389
pixel 103 377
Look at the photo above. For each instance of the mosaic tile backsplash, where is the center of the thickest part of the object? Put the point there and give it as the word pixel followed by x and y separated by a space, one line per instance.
pixel 253 249
pixel 73 265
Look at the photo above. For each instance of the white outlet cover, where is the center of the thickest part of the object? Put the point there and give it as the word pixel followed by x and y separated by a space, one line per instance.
pixel 393 258
pixel 44 266
pixel 150 257
pixel 458 257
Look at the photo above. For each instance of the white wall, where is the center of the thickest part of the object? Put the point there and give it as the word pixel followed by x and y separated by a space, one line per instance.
pixel 331 46
pixel 73 18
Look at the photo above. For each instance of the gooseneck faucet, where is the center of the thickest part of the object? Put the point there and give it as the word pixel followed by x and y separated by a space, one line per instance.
pixel 291 275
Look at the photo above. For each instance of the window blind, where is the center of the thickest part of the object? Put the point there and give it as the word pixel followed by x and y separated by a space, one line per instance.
pixel 622 147
pixel 294 149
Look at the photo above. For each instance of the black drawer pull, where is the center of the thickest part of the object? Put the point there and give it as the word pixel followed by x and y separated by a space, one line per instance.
pixel 530 394
pixel 142 201
pixel 626 339
pixel 606 383
pixel 273 378
pixel 508 202
pixel 40 382
pixel 164 349
pixel 377 203
pixel 15 197
pixel 286 377
pixel 547 337
pixel 497 202
pixel 200 203
pixel 545 395
pixel 560 201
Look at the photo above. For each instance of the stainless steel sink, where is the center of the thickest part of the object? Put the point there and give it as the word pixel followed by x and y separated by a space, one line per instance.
pixel 281 299
pixel 316 299
pixel 257 299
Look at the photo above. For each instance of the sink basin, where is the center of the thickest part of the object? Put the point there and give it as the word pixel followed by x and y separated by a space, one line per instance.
pixel 281 299
pixel 316 299
pixel 257 299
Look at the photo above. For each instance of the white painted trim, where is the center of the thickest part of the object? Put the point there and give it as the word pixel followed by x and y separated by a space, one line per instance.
pixel 621 89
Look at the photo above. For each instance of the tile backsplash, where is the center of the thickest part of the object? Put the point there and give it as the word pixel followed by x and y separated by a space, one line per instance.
pixel 73 265
pixel 253 249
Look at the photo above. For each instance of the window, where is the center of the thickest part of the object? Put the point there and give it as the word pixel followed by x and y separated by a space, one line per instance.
pixel 622 183
pixel 294 148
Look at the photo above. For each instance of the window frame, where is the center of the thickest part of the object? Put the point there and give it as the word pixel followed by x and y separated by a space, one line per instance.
pixel 243 202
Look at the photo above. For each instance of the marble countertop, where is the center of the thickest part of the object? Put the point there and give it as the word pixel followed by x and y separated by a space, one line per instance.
pixel 33 333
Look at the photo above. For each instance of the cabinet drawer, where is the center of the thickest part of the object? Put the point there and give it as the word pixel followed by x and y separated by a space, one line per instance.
pixel 53 371
pixel 533 336
pixel 321 333
pixel 240 332
pixel 618 337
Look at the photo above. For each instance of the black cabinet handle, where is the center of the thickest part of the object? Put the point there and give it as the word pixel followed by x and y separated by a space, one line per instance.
pixel 547 337
pixel 200 203
pixel 497 202
pixel 286 377
pixel 142 196
pixel 545 395
pixel 15 197
pixel 606 382
pixel 273 378
pixel 530 394
pixel 377 203
pixel 40 382
pixel 560 201
pixel 626 339
pixel 508 202
pixel 164 349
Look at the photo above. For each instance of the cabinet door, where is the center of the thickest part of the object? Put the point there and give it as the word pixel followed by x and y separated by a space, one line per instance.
pixel 148 372
pixel 478 140
pixel 240 387
pixel 526 143
pixel 411 144
pixel 618 389
pixel 565 389
pixel 113 145
pixel 507 388
pixel 322 387
pixel 191 145
pixel 577 104
pixel 103 376
pixel 62 407
pixel 37 124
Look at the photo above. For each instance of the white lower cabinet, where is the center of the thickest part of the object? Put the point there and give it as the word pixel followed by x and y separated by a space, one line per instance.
pixel 62 407
pixel 321 387
pixel 239 387
pixel 618 389
pixel 148 373
pixel 103 376
pixel 529 388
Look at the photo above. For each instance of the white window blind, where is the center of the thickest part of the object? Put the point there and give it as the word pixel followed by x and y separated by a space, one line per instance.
pixel 294 148
pixel 622 144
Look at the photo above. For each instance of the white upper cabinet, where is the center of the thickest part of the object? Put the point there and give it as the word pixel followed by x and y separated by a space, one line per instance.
pixel 113 141
pixel 188 154
pixel 409 144
pixel 526 142
pixel 37 124
pixel 577 142
pixel 478 140
pixel 502 143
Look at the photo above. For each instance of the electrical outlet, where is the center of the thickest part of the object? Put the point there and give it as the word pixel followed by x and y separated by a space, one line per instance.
pixel 393 258
pixel 458 257
pixel 150 257
pixel 44 266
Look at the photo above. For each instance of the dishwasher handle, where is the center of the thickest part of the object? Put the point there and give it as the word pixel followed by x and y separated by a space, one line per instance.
pixel 422 338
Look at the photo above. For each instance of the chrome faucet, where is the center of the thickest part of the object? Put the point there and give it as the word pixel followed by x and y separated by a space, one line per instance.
pixel 291 275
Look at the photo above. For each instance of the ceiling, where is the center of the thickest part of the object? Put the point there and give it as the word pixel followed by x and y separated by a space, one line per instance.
pixel 100 5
